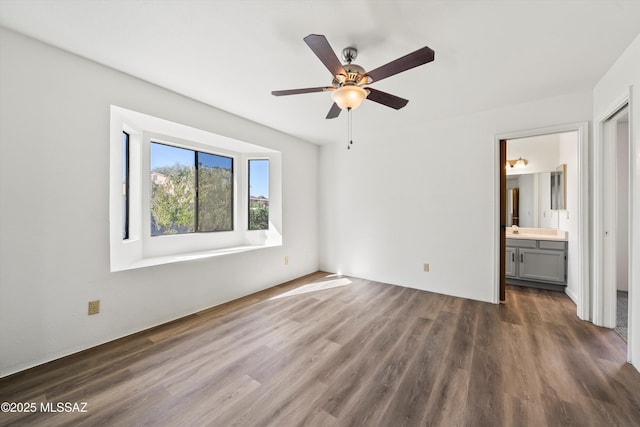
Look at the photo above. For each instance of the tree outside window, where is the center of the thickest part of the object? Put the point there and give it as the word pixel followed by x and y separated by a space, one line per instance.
pixel 191 191
pixel 258 194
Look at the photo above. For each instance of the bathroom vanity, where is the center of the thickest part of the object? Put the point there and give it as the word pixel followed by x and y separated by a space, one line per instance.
pixel 536 257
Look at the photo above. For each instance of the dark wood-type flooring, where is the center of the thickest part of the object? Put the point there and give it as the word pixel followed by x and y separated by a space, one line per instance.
pixel 348 352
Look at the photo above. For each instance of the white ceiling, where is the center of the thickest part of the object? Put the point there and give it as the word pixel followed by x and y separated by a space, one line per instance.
pixel 232 53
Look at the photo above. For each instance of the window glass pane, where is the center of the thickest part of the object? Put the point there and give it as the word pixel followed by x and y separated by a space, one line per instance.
pixel 215 192
pixel 258 194
pixel 173 193
pixel 125 185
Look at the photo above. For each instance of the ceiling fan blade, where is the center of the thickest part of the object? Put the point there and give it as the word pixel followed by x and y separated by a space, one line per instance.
pixel 298 91
pixel 385 98
pixel 321 47
pixel 334 111
pixel 407 62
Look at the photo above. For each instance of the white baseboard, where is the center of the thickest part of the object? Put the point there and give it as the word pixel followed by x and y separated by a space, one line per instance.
pixel 571 295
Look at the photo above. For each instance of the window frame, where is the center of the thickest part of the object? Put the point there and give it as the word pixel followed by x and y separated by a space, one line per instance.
pixel 196 165
pixel 126 157
pixel 249 191
pixel 197 213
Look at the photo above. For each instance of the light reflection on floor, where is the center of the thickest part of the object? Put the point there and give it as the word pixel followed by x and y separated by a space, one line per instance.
pixel 315 286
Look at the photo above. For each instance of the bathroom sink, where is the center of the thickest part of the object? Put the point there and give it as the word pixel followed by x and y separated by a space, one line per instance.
pixel 536 233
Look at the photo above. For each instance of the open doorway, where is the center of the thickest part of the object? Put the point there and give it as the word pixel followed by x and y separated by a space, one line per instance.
pixel 616 219
pixel 541 211
pixel 573 216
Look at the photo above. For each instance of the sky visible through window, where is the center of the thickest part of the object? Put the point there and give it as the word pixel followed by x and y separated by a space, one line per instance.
pixel 165 155
pixel 259 173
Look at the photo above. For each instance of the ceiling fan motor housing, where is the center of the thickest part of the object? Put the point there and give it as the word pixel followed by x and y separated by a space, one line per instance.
pixel 356 75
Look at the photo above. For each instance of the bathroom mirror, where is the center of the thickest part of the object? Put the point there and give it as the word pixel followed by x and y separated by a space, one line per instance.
pixel 533 201
pixel 513 207
pixel 559 188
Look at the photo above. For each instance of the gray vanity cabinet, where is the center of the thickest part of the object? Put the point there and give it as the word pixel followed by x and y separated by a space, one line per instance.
pixel 530 262
pixel 544 265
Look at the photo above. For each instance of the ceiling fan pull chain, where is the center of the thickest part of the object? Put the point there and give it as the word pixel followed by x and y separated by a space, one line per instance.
pixel 350 129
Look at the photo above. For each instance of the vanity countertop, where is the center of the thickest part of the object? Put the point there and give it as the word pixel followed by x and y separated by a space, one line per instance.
pixel 536 234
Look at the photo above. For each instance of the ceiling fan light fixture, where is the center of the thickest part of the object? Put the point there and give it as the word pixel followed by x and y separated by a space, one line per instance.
pixel 349 97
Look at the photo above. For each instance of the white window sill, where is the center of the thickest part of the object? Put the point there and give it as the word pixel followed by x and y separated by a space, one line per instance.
pixel 193 256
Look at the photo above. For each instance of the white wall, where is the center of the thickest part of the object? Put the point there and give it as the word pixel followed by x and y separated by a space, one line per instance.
pixel 426 193
pixel 540 151
pixel 614 85
pixel 54 216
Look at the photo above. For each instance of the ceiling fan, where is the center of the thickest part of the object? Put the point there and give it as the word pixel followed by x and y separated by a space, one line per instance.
pixel 348 86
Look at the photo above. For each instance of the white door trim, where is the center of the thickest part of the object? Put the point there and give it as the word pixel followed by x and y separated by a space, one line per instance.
pixel 604 299
pixel 604 292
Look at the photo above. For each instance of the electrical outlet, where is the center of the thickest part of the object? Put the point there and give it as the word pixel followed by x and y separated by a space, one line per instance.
pixel 94 307
pixel 426 267
pixel 286 260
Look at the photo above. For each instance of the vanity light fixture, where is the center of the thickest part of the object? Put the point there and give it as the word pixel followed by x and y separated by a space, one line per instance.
pixel 520 163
